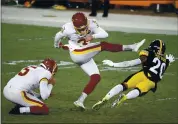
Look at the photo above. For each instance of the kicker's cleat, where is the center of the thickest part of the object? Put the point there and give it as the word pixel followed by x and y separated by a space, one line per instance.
pixel 99 104
pixel 138 45
pixel 79 104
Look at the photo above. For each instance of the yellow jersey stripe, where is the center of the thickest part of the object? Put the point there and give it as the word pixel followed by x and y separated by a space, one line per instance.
pixel 43 79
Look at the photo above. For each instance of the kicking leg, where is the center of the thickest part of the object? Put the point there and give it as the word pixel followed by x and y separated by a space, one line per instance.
pixel 105 46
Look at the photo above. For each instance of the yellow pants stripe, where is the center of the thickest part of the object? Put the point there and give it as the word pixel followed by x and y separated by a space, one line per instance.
pixel 30 101
pixel 87 51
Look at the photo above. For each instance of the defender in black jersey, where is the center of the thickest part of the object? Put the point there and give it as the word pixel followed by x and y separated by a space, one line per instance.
pixel 154 63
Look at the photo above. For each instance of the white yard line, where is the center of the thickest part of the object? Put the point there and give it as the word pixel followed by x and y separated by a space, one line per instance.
pixel 29 39
pixel 69 65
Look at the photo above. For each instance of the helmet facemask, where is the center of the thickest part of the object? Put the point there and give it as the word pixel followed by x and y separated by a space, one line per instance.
pixel 80 23
pixel 83 30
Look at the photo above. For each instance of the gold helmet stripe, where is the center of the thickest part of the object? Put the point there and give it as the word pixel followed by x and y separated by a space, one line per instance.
pixel 161 46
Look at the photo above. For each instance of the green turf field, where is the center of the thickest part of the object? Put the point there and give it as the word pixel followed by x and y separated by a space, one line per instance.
pixel 21 43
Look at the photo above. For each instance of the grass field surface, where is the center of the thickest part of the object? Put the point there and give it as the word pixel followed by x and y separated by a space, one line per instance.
pixel 24 45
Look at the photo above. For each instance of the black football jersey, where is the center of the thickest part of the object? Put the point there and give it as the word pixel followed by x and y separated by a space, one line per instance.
pixel 155 65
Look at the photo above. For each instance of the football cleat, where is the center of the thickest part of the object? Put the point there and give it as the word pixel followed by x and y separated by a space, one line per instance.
pixel 99 104
pixel 119 102
pixel 15 110
pixel 114 103
pixel 79 104
pixel 138 45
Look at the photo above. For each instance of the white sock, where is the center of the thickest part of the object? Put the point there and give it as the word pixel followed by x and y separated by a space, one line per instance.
pixel 24 109
pixel 82 97
pixel 133 94
pixel 128 47
pixel 114 91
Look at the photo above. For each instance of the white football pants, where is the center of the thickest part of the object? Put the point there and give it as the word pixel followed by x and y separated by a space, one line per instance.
pixel 21 97
pixel 83 56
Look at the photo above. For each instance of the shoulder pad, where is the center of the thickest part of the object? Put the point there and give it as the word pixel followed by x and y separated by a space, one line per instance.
pixel 93 23
pixel 67 28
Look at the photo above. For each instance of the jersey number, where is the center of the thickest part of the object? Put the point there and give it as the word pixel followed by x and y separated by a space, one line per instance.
pixel 158 65
pixel 24 71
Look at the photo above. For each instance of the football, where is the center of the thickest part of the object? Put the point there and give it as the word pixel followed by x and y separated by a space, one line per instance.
pixel 82 42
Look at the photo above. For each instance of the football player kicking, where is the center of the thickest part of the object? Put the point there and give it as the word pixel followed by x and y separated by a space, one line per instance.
pixel 154 63
pixel 20 89
pixel 80 32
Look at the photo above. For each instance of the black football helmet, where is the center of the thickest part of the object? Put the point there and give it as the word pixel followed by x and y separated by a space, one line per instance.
pixel 158 46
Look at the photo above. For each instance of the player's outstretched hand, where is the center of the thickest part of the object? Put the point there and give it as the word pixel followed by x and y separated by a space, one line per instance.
pixel 108 62
pixel 170 57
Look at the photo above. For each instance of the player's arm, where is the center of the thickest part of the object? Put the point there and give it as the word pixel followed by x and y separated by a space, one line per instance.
pixel 45 88
pixel 122 64
pixel 59 35
pixel 98 31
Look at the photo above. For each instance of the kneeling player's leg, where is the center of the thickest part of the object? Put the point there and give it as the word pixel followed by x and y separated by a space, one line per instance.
pixel 36 106
pixel 25 102
pixel 31 104
pixel 92 70
pixel 39 109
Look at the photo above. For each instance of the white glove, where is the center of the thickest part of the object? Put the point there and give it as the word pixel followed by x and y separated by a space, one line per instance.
pixel 108 62
pixel 170 57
